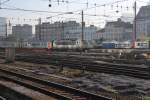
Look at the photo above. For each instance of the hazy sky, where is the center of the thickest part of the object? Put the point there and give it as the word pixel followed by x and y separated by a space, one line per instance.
pixel 106 10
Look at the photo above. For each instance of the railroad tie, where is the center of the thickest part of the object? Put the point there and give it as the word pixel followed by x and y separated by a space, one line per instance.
pixel 79 98
pixel 62 92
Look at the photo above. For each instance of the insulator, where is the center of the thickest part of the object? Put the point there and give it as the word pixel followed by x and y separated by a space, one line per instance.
pixel 111 6
pixel 121 7
pixel 50 5
pixel 127 8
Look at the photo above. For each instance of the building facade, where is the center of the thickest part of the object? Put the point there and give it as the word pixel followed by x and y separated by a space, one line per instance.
pixel 49 32
pixel 22 32
pixel 73 31
pixel 3 27
pixel 70 30
pixel 99 34
pixel 118 30
pixel 127 17
pixel 143 23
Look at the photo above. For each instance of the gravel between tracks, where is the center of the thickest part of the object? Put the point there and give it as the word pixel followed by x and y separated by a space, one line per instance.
pixel 120 87
pixel 28 92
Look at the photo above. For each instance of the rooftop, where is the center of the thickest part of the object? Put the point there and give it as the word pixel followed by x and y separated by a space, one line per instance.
pixel 119 23
pixel 144 12
pixel 101 30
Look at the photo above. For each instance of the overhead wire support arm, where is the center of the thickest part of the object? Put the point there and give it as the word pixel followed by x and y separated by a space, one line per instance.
pixel 3 2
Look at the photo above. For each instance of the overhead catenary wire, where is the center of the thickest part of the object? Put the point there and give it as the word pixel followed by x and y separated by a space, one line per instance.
pixel 102 5
pixel 95 6
pixel 63 13
pixel 105 15
pixel 3 2
pixel 28 10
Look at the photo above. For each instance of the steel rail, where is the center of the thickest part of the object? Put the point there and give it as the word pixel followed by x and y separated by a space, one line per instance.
pixel 117 69
pixel 67 89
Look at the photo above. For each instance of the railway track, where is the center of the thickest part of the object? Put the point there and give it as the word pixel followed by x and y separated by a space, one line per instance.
pixel 2 98
pixel 62 80
pixel 53 89
pixel 91 65
pixel 87 64
pixel 7 93
pixel 106 57
pixel 95 56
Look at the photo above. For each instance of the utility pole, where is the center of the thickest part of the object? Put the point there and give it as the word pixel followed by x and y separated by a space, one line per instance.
pixel 9 29
pixel 39 28
pixel 134 27
pixel 62 35
pixel 6 29
pixel 0 4
pixel 82 34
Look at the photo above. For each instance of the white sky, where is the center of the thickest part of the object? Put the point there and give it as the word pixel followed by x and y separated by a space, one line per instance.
pixel 126 6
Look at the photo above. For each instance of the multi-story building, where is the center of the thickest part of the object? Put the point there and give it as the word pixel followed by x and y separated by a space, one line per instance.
pixel 127 17
pixel 22 32
pixel 99 34
pixel 2 27
pixel 90 32
pixel 73 30
pixel 49 32
pixel 143 22
pixel 118 30
pixel 70 30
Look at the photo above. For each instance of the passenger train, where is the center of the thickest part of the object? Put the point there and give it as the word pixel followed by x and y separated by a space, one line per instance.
pixel 88 44
pixel 67 44
pixel 126 44
pixel 63 44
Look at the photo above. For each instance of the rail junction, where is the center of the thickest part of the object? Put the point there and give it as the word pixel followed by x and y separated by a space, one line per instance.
pixel 99 62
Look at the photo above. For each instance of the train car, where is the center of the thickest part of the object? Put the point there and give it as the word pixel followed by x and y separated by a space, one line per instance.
pixel 144 44
pixel 37 44
pixel 76 44
pixel 65 44
pixel 69 44
pixel 109 45
pixel 123 45
pixel 5 44
pixel 23 45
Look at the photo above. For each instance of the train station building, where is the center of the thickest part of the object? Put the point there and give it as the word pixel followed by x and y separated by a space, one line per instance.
pixel 143 23
pixel 116 30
